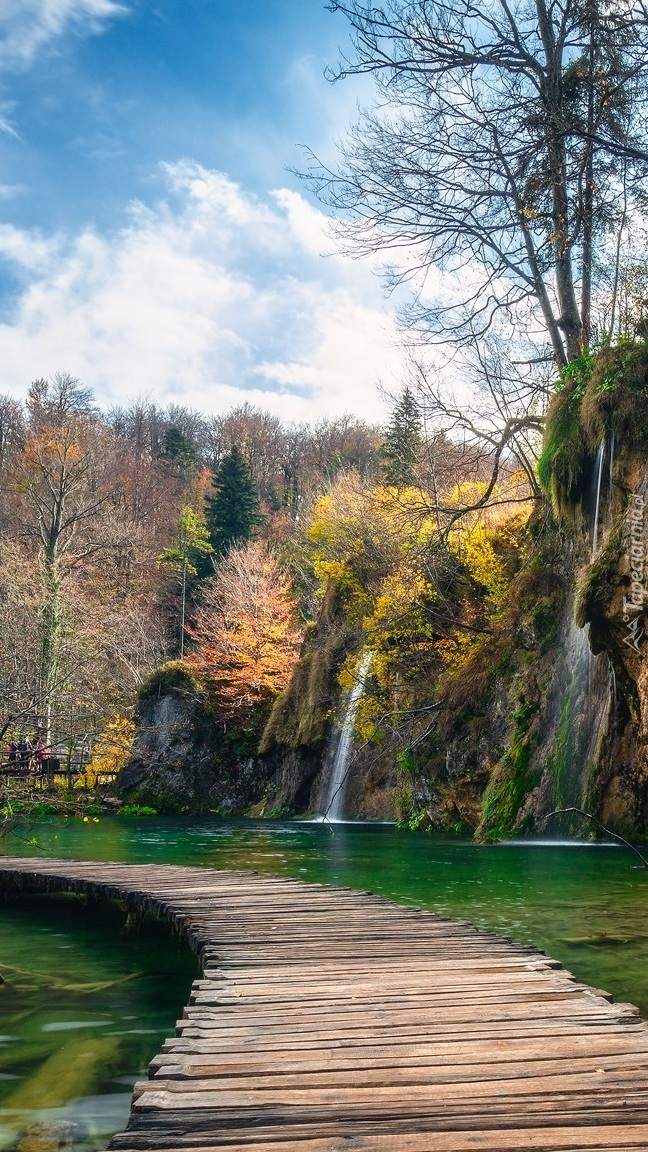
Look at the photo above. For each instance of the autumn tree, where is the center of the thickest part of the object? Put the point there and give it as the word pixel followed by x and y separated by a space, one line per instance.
pixel 245 635
pixel 59 481
pixel 51 403
pixel 22 604
pixel 82 601
pixel 359 535
pixel 12 427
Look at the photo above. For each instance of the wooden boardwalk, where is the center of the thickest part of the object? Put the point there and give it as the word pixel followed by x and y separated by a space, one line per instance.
pixel 329 1020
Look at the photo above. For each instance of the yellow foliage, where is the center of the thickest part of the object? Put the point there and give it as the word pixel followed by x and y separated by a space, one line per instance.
pixel 361 537
pixel 482 542
pixel 383 548
pixel 111 750
pixel 473 545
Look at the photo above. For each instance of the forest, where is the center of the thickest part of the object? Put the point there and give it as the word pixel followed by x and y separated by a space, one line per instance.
pixel 111 525
pixel 131 539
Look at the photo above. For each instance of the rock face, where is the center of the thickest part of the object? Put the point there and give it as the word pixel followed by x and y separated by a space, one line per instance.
pixel 488 762
pixel 296 745
pixel 595 468
pixel 184 760
pixel 611 600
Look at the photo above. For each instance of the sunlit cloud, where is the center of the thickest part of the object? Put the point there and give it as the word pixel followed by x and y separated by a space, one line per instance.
pixel 27 26
pixel 209 296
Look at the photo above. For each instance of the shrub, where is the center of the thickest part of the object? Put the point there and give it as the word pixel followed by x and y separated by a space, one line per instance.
pixel 137 810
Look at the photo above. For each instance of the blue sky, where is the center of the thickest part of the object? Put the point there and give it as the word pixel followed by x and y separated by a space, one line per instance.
pixel 152 240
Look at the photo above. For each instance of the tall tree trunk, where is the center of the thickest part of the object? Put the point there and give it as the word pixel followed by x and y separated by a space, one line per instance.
pixel 50 645
pixel 569 320
pixel 588 203
pixel 184 606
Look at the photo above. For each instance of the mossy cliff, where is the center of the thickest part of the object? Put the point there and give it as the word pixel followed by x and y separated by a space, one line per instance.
pixel 484 761
pixel 184 759
pixel 295 742
pixel 550 710
pixel 591 717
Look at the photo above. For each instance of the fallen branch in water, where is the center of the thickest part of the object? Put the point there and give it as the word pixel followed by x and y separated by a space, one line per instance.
pixel 608 831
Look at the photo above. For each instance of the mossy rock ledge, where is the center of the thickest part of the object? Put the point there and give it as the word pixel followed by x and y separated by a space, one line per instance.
pixel 184 760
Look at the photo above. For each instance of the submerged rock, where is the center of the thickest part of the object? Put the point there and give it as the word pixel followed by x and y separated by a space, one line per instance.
pixel 47 1136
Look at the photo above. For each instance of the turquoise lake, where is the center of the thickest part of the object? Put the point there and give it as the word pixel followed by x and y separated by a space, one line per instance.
pixel 86 1003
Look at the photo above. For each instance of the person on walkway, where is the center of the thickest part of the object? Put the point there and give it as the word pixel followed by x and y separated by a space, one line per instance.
pixel 39 757
pixel 12 749
pixel 24 755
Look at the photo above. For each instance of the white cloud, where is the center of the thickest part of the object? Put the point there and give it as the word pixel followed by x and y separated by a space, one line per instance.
pixel 208 297
pixel 27 26
pixel 28 251
pixel 7 127
pixel 9 191
pixel 310 227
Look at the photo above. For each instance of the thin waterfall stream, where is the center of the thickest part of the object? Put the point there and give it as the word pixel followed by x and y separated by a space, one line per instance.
pixel 600 460
pixel 334 805
pixel 590 688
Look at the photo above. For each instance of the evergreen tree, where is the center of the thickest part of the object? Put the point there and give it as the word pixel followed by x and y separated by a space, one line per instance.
pixel 178 450
pixel 233 509
pixel 402 443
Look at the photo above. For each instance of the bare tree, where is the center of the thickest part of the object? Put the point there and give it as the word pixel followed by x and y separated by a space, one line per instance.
pixel 492 152
pixel 58 479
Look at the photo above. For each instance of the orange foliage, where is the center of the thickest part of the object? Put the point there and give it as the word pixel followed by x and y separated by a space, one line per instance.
pixel 245 633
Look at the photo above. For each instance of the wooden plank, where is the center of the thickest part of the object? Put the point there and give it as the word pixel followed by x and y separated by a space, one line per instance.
pixel 592 1139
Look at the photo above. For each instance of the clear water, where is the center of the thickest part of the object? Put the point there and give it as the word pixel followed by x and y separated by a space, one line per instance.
pixel 584 904
pixel 84 1005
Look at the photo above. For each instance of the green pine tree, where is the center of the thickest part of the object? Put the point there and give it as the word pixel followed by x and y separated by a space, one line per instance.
pixel 178 450
pixel 233 509
pixel 401 446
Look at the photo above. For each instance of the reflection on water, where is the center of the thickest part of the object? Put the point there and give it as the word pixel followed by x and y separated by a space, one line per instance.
pixel 83 1006
pixel 585 905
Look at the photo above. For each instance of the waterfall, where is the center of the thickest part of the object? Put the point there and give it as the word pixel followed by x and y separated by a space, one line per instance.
pixel 600 460
pixel 611 472
pixel 577 725
pixel 334 807
pixel 613 684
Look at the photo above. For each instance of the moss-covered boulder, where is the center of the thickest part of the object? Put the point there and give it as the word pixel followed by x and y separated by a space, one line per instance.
pixel 186 760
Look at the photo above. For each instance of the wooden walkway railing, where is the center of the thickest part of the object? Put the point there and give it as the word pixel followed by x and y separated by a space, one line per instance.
pixel 329 1020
